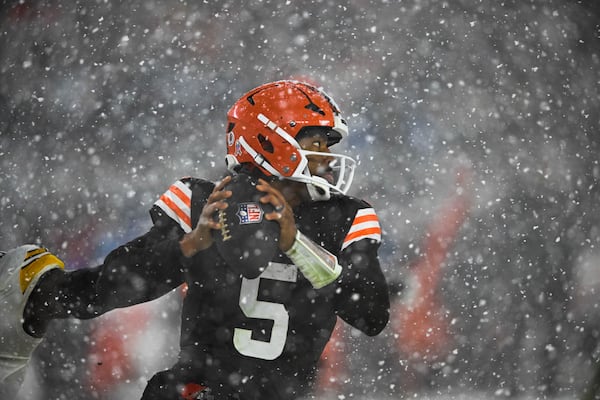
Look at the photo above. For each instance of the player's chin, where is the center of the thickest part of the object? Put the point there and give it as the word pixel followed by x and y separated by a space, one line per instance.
pixel 326 173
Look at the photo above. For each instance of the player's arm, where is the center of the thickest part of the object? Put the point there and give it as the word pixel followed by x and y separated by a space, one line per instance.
pixel 135 272
pixel 354 279
pixel 153 264
pixel 142 270
pixel 317 264
pixel 361 293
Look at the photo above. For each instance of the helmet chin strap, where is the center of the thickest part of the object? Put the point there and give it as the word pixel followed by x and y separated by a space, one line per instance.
pixel 318 192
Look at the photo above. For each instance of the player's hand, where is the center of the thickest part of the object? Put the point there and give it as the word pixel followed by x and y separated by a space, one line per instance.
pixel 201 238
pixel 283 214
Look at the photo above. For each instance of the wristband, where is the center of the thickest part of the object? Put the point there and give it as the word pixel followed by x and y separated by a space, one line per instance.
pixel 317 265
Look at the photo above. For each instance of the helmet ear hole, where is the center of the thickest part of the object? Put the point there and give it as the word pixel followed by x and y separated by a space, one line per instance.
pixel 266 144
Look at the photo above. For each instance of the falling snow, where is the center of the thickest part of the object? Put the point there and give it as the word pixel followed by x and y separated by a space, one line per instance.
pixel 485 107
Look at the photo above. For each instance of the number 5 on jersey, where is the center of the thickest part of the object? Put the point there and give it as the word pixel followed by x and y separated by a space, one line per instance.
pixel 254 308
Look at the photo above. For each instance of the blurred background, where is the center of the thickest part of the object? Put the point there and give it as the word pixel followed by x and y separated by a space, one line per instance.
pixel 475 125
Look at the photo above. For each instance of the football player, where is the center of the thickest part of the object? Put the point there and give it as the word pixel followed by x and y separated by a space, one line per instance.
pixel 250 337
pixel 20 271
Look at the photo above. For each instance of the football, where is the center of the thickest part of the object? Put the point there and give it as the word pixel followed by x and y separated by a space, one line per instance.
pixel 247 241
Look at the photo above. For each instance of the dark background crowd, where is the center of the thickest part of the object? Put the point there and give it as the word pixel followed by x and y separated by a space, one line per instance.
pixel 475 124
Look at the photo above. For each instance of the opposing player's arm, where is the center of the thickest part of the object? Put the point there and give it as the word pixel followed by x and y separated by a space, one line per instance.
pixel 361 292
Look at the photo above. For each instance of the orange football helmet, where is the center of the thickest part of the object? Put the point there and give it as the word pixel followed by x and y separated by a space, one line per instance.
pixel 263 127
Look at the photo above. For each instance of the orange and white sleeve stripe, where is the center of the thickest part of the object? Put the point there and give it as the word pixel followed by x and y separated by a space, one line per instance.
pixel 365 226
pixel 177 204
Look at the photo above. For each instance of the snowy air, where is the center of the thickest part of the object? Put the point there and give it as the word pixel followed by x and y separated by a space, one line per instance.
pixel 475 130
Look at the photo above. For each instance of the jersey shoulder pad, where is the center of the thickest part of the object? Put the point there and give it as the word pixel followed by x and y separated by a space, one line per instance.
pixel 364 222
pixel 178 205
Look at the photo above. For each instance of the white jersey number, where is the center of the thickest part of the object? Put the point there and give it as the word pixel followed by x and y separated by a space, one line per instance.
pixel 254 308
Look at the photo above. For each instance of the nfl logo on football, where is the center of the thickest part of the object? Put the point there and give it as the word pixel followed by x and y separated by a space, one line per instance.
pixel 249 213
